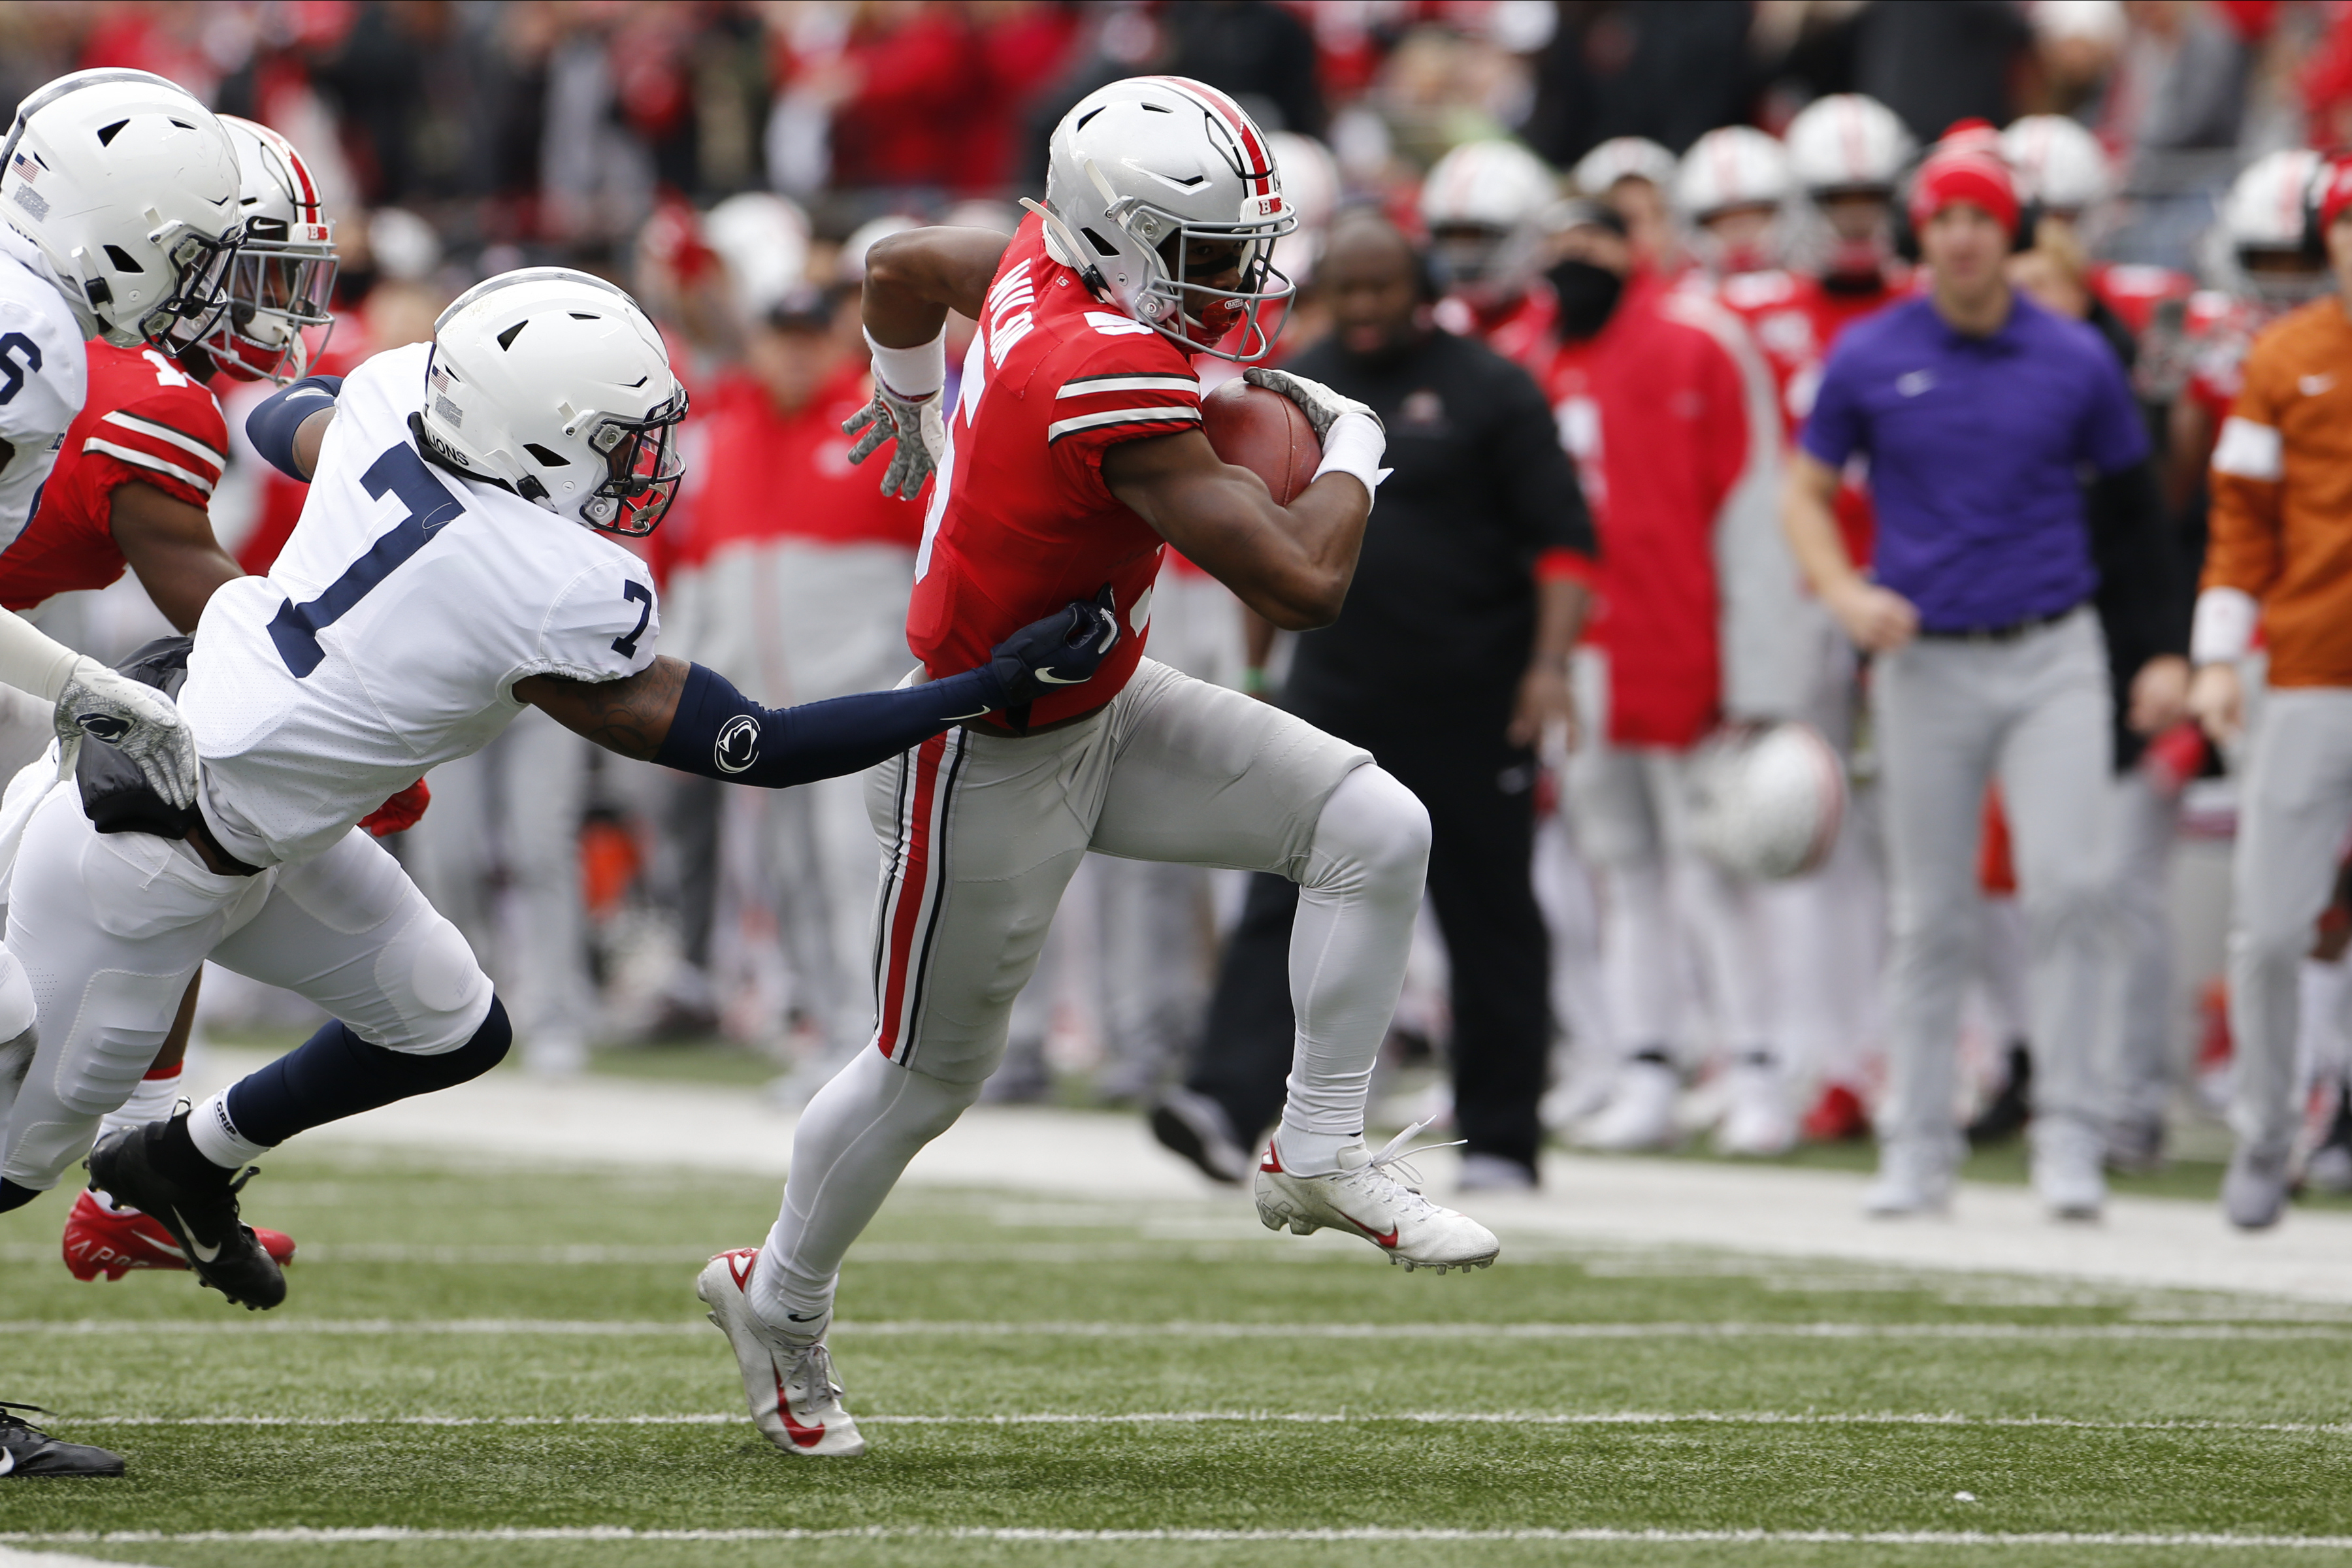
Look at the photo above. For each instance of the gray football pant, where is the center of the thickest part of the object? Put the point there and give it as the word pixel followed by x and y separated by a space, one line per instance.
pixel 1952 716
pixel 2136 1029
pixel 2292 816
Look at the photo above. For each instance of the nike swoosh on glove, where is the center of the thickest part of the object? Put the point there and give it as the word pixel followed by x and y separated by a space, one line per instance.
pixel 137 720
pixel 891 417
pixel 1064 649
pixel 1321 406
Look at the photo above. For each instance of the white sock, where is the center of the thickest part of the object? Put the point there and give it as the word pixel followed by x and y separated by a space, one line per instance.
pixel 216 1137
pixel 1348 947
pixel 853 1141
pixel 151 1101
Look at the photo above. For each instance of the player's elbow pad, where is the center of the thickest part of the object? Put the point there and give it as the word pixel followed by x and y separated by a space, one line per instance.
pixel 723 735
pixel 271 427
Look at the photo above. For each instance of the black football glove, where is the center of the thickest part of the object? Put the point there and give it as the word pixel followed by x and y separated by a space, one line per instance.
pixel 1064 649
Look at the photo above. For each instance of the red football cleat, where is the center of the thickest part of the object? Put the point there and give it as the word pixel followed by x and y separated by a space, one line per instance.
pixel 1838 1117
pixel 112 1242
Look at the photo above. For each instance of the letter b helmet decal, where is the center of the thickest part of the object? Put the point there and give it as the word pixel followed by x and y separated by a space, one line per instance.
pixel 739 744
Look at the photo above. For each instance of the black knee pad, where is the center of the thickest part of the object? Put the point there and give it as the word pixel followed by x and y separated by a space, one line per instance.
pixel 485 1050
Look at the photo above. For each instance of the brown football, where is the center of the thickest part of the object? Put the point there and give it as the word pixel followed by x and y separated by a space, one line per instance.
pixel 1264 432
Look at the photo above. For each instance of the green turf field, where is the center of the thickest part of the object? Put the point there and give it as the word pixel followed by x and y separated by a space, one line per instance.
pixel 490 1365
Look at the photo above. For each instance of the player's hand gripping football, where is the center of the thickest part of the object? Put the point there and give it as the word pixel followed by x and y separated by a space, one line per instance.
pixel 918 427
pixel 1321 406
pixel 137 720
pixel 1063 649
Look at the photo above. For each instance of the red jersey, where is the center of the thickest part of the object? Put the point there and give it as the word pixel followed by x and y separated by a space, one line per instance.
pixel 2219 330
pixel 2133 291
pixel 145 421
pixel 348 346
pixel 771 475
pixel 1521 332
pixel 1020 522
pixel 1668 413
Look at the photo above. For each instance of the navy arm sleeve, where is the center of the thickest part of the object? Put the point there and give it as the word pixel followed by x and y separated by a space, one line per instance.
pixel 723 735
pixel 271 427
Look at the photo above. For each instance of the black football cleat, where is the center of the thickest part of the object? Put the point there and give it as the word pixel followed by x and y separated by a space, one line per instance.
pixel 136 1166
pixel 27 1450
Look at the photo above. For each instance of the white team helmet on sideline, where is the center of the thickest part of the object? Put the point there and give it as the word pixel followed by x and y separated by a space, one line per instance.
pixel 285 271
pixel 1846 144
pixel 2059 163
pixel 128 187
pixel 1623 158
pixel 1766 800
pixel 1311 183
pixel 1480 204
pixel 1734 169
pixel 1139 171
pixel 2259 250
pixel 1732 166
pixel 555 385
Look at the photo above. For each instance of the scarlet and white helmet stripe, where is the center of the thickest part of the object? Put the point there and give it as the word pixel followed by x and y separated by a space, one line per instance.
pixel 1847 142
pixel 1735 166
pixel 2265 218
pixel 1143 173
pixel 282 278
pixel 2059 163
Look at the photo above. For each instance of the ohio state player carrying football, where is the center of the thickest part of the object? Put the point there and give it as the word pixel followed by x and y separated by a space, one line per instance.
pixel 132 487
pixel 1074 459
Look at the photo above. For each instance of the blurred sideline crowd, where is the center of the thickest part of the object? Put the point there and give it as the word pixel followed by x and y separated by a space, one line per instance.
pixel 1741 172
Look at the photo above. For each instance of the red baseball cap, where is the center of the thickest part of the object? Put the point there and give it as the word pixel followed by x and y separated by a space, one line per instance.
pixel 1965 166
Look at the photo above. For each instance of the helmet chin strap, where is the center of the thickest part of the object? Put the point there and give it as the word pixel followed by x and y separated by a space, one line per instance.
pixel 1064 247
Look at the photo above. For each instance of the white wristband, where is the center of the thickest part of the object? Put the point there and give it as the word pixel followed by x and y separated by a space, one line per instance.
pixel 1354 446
pixel 912 374
pixel 2224 628
pixel 32 660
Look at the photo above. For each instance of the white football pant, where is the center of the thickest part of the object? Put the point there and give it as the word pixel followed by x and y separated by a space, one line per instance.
pixel 111 927
pixel 981 834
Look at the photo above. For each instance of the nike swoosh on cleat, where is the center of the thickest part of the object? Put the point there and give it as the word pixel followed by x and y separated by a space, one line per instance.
pixel 197 1250
pixel 7 1460
pixel 802 1437
pixel 796 1317
pixel 743 1273
pixel 1378 1239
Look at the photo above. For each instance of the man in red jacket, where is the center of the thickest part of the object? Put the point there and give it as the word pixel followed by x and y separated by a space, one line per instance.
pixel 1673 416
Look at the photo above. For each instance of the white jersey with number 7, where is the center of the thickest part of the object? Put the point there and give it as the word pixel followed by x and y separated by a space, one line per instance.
pixel 388 637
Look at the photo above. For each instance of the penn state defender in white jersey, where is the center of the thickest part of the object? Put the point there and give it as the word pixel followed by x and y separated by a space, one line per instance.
pixel 451 566
pixel 43 374
pixel 389 637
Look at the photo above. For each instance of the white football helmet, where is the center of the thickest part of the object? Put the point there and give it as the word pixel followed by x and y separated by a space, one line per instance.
pixel 2059 163
pixel 285 271
pixel 555 384
pixel 1766 800
pixel 2259 250
pixel 1735 166
pixel 1623 158
pixel 1480 204
pixel 1311 183
pixel 1848 144
pixel 1141 174
pixel 765 241
pixel 128 188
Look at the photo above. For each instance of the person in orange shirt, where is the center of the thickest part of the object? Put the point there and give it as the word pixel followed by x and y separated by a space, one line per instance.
pixel 2280 552
pixel 805 572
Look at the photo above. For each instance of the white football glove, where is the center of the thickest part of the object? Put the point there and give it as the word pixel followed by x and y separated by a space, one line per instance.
pixel 1321 406
pixel 890 417
pixel 138 721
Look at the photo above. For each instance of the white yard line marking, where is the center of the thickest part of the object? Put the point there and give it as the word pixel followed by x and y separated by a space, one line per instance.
pixel 1048 1537
pixel 629 1328
pixel 1312 1418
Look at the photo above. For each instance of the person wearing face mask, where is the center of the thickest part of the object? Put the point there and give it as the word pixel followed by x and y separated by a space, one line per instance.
pixel 1448 663
pixel 1670 412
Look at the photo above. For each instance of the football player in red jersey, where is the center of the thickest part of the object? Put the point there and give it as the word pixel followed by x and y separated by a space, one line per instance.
pixel 132 488
pixel 1075 458
pixel 1482 204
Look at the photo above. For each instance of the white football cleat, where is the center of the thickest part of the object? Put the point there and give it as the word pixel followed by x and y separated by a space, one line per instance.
pixel 1760 1122
pixel 1640 1113
pixel 794 1401
pixel 1366 1197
